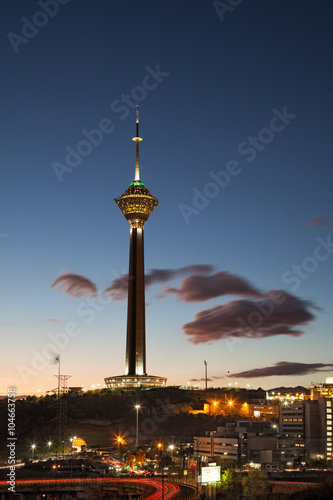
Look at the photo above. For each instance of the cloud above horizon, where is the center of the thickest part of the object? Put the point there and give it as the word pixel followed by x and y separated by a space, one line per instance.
pixel 198 288
pixel 284 368
pixel 209 379
pixel 279 313
pixel 318 222
pixel 117 290
pixel 75 285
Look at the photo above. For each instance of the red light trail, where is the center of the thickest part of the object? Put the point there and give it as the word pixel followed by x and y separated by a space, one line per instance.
pixel 170 489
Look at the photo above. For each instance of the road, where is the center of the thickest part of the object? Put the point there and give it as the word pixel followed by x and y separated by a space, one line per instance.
pixel 170 490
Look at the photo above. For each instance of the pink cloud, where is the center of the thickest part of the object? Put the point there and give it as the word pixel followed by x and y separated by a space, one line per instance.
pixel 75 285
pixel 197 288
pixel 318 222
pixel 117 290
pixel 251 319
pixel 284 368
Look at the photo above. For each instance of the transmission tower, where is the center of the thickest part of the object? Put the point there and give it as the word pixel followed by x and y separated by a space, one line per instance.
pixel 61 407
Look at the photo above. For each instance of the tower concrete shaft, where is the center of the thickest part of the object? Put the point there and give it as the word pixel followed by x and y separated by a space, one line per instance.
pixel 136 324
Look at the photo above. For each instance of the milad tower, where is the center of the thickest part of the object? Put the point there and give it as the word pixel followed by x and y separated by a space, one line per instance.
pixel 136 204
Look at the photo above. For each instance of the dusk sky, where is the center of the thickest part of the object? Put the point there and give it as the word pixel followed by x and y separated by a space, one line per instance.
pixel 236 118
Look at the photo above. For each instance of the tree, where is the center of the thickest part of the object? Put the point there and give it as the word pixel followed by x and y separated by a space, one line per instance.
pixel 255 485
pixel 228 482
pixel 130 460
pixel 229 463
pixel 140 457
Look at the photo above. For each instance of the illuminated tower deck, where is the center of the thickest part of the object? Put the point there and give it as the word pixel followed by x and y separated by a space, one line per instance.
pixel 136 204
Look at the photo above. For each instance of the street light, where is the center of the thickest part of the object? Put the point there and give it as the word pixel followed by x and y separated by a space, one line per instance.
pixel 120 441
pixel 205 362
pixel 33 446
pixel 161 447
pixel 137 407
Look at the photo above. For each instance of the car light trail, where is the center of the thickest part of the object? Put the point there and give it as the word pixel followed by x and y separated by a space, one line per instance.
pixel 170 489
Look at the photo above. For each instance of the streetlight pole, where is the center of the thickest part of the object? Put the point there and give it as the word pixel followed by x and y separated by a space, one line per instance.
pixel 171 447
pixel 33 446
pixel 205 362
pixel 119 443
pixel 49 444
pixel 137 407
pixel 160 447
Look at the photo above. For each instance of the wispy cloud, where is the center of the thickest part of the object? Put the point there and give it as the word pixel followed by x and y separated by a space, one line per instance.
pixel 198 288
pixel 117 290
pixel 285 368
pixel 75 285
pixel 318 222
pixel 250 319
pixel 209 379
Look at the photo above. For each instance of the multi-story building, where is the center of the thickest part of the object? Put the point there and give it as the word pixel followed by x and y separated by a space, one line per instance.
pixel 292 421
pixel 318 419
pixel 304 434
pixel 244 441
pixel 323 390
pixel 328 424
pixel 306 430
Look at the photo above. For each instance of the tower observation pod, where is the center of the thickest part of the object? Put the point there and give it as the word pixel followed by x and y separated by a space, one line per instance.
pixel 136 204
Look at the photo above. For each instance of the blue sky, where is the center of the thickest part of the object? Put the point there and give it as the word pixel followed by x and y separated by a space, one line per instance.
pixel 244 89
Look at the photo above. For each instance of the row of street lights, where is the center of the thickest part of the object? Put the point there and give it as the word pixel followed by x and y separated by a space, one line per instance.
pixel 34 446
pixel 49 444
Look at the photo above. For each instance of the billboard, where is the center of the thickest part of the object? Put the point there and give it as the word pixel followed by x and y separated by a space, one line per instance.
pixel 211 474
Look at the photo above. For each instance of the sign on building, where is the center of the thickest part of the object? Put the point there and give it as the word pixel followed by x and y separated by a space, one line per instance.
pixel 211 474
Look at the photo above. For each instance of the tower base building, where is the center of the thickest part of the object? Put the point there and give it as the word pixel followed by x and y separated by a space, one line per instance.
pixel 127 381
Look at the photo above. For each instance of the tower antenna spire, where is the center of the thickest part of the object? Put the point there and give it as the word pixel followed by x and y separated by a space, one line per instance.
pixel 137 139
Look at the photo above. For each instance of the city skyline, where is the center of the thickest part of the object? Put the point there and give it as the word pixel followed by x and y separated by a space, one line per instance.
pixel 235 112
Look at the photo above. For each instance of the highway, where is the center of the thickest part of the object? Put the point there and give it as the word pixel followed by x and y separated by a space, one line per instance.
pixel 24 485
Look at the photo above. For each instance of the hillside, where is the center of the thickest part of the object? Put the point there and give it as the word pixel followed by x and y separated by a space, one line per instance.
pixel 99 417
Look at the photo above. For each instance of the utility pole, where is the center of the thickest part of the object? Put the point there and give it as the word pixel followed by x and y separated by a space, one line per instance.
pixel 205 362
